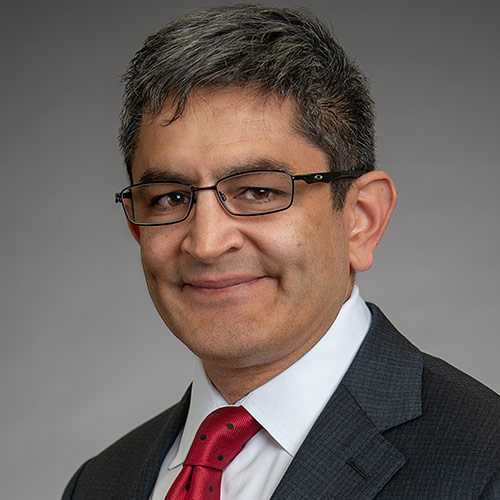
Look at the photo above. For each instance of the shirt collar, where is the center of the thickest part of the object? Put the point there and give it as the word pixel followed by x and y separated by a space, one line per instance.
pixel 288 405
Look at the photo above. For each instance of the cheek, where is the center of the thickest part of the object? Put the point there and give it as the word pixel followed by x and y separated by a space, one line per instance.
pixel 157 256
pixel 329 263
pixel 311 255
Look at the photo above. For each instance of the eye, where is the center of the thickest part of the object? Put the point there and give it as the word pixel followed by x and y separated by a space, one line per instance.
pixel 254 192
pixel 171 200
pixel 258 193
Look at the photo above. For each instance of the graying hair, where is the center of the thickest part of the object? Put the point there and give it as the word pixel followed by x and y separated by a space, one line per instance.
pixel 284 52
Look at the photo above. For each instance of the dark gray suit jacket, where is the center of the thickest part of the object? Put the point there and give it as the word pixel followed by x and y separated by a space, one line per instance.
pixel 401 425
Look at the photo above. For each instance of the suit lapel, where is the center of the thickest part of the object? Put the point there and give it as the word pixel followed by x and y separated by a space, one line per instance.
pixel 345 455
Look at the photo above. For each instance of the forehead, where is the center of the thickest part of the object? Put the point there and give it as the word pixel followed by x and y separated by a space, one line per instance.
pixel 221 131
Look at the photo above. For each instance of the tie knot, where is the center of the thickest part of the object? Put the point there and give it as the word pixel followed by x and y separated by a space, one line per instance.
pixel 221 437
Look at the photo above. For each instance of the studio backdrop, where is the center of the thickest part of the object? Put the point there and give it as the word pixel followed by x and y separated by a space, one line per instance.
pixel 83 355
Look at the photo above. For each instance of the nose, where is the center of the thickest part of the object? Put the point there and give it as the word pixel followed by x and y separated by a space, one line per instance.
pixel 212 231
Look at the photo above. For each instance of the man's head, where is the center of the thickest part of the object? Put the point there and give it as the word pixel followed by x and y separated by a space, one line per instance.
pixel 233 90
pixel 282 52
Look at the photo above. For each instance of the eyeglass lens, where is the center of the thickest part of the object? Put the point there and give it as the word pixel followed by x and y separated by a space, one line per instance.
pixel 251 193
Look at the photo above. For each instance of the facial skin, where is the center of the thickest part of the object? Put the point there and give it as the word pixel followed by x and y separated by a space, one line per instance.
pixel 248 295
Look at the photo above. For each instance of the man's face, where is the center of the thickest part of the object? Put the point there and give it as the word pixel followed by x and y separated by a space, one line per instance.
pixel 242 291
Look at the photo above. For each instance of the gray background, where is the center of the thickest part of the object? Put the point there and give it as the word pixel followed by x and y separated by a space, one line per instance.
pixel 83 355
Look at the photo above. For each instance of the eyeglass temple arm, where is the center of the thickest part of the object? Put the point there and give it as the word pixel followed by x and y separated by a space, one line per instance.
pixel 120 196
pixel 329 176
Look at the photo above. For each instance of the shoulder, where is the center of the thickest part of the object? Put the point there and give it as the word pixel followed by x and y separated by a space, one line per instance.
pixel 132 462
pixel 442 387
pixel 167 424
pixel 451 438
pixel 455 443
pixel 469 409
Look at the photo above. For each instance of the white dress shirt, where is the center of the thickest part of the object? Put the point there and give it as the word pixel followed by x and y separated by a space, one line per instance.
pixel 286 406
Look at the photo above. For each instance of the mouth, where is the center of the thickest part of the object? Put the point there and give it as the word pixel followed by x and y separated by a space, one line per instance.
pixel 222 285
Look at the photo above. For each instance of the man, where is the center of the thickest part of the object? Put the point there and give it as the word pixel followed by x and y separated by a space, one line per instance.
pixel 248 139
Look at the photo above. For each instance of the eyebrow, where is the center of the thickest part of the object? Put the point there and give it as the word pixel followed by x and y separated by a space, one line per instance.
pixel 166 175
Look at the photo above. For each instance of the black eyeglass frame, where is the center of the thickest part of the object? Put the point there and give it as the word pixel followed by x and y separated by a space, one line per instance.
pixel 314 178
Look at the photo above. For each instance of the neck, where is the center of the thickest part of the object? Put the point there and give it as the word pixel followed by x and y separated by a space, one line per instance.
pixel 235 383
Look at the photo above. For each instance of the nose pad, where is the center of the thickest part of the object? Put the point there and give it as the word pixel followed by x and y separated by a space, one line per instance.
pixel 219 194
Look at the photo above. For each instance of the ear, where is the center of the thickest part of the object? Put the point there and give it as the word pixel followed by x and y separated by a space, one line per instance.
pixel 370 203
pixel 135 230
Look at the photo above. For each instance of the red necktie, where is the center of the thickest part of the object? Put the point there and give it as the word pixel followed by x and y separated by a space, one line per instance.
pixel 219 439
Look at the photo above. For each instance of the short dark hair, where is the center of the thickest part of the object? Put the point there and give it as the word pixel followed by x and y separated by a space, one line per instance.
pixel 281 51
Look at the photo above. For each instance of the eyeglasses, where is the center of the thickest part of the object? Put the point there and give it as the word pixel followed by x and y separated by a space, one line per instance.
pixel 245 194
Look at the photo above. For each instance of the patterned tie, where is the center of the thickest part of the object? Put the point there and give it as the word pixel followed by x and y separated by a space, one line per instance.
pixel 219 439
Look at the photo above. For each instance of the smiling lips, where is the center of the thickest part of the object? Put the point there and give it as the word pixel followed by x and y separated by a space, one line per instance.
pixel 221 284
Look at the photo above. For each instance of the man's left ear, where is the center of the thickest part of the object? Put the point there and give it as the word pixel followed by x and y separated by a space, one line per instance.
pixel 369 206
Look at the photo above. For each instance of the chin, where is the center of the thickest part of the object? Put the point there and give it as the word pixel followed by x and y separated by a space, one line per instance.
pixel 233 348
